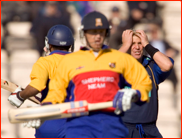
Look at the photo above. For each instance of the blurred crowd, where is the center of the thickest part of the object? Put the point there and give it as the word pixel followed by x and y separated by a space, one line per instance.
pixel 44 14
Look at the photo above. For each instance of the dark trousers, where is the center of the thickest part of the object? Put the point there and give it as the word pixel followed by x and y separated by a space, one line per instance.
pixel 149 130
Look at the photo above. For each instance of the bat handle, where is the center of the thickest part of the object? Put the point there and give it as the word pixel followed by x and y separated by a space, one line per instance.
pixel 34 99
pixel 102 105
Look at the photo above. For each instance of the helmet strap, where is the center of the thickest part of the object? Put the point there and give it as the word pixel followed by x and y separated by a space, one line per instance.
pixel 88 44
pixel 46 43
pixel 72 48
pixel 46 51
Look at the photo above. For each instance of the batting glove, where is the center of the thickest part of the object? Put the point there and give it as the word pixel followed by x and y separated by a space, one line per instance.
pixel 33 123
pixel 123 99
pixel 15 98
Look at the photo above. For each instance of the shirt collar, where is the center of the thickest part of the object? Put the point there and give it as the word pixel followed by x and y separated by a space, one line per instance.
pixel 59 52
pixel 85 48
pixel 145 60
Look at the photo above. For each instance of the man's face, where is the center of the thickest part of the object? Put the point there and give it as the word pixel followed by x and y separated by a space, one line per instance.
pixel 95 38
pixel 136 49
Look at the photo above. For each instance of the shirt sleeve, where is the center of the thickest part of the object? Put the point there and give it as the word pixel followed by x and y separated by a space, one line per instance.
pixel 159 75
pixel 39 74
pixel 136 75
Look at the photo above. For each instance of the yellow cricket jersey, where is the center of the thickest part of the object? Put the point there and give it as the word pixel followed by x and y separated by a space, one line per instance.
pixel 44 69
pixel 82 76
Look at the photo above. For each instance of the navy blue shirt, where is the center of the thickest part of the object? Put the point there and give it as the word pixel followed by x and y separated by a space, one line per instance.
pixel 142 112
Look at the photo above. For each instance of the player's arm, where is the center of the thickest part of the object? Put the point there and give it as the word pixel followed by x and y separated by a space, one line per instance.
pixel 39 77
pixel 164 62
pixel 28 92
pixel 127 37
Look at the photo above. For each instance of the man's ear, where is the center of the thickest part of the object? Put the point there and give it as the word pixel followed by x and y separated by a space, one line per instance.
pixel 50 47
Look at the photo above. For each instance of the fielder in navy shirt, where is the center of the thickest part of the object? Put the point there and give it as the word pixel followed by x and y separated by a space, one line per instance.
pixel 141 118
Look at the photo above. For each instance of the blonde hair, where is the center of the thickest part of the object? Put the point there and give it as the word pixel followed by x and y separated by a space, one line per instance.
pixel 135 33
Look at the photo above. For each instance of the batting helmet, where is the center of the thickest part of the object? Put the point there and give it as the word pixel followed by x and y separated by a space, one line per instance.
pixel 59 35
pixel 95 20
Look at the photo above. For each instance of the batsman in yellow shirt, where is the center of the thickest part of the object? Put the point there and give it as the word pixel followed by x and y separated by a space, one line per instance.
pixel 98 74
pixel 59 40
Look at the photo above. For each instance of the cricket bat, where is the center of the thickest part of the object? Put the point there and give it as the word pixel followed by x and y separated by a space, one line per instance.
pixel 9 86
pixel 55 111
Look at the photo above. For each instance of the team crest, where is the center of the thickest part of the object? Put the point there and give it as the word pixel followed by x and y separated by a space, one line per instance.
pixel 98 22
pixel 112 65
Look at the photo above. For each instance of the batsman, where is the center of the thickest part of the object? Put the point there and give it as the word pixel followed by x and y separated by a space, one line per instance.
pixel 58 42
pixel 97 74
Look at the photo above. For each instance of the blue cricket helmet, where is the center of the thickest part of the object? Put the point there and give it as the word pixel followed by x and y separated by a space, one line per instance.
pixel 60 35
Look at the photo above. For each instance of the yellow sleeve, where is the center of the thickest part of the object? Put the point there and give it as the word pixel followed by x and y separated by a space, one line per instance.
pixel 57 85
pixel 39 74
pixel 136 75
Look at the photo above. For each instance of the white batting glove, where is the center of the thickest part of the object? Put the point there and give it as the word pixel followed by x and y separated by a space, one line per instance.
pixel 33 123
pixel 15 98
pixel 123 99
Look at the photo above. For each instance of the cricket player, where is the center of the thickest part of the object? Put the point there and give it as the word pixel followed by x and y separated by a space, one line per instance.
pixel 141 118
pixel 98 74
pixel 58 41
